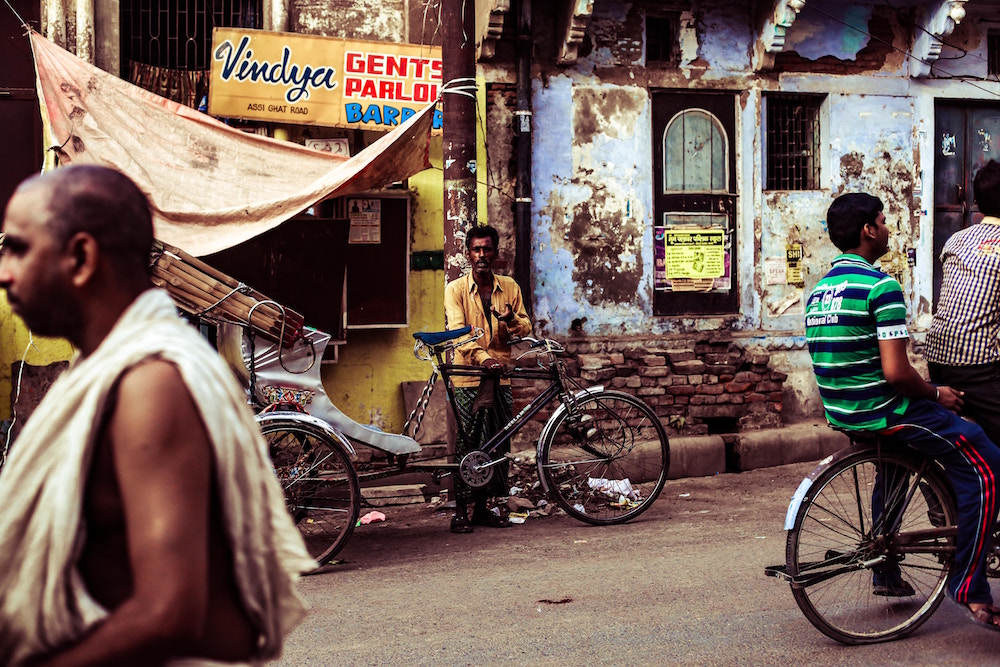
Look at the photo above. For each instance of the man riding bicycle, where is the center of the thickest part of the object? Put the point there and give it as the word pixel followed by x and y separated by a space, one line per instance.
pixel 857 336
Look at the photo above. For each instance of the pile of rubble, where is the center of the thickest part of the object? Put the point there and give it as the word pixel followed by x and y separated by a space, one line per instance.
pixel 527 499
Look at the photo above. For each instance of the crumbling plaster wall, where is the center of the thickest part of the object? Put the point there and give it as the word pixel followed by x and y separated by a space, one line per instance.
pixel 592 187
pixel 870 149
pixel 376 20
pixel 592 177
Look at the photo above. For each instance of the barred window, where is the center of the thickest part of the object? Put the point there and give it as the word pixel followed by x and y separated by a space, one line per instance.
pixel 662 46
pixel 792 141
pixel 166 44
pixel 993 53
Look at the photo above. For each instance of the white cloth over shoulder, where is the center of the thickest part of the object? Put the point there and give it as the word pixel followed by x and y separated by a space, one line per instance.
pixel 43 602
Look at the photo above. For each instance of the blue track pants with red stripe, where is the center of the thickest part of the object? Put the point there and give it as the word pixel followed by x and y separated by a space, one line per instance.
pixel 972 463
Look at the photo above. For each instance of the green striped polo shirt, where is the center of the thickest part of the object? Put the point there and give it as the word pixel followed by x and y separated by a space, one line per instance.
pixel 853 307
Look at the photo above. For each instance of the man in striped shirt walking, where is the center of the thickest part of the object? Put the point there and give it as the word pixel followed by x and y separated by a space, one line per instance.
pixel 857 336
pixel 963 349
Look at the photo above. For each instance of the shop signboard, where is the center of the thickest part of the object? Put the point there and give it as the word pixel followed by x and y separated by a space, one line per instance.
pixel 311 80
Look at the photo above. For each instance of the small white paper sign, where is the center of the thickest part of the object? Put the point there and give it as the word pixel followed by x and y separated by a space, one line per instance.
pixel 775 271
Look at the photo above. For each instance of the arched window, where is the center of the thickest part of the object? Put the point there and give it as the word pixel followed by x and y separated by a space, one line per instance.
pixel 695 153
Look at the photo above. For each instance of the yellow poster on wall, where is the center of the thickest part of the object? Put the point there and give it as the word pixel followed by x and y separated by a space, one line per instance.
pixel 694 253
pixel 312 80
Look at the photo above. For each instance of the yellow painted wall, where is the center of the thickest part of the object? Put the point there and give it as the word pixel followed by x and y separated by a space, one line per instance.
pixel 14 338
pixel 365 384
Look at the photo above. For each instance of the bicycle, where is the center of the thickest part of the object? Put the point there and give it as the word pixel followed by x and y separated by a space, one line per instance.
pixel 864 514
pixel 603 455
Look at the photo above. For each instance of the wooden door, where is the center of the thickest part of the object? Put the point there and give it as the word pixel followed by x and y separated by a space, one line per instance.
pixel 966 136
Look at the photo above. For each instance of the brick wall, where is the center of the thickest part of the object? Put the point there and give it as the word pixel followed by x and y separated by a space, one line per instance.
pixel 697 387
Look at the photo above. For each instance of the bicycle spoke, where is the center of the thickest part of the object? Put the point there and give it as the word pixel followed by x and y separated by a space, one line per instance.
pixel 606 460
pixel 897 578
pixel 321 488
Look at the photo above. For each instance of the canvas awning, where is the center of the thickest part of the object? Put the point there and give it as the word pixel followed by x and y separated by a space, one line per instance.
pixel 211 186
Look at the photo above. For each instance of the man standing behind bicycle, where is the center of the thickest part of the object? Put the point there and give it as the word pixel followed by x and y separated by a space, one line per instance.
pixel 493 303
pixel 963 349
pixel 857 336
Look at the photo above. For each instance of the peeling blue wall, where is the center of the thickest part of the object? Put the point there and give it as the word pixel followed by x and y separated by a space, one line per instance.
pixel 592 231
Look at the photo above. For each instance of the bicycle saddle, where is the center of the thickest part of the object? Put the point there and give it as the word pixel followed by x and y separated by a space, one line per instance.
pixel 438 337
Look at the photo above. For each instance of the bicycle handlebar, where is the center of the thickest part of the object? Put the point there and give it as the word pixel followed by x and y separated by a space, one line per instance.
pixel 425 351
pixel 551 346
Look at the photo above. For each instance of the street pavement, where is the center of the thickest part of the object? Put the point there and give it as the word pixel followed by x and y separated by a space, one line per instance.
pixel 683 585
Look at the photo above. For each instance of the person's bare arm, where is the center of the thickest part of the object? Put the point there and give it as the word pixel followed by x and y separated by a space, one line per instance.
pixel 163 462
pixel 906 380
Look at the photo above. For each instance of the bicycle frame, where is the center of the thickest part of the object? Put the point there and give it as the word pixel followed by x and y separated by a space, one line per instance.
pixel 525 415
pixel 554 374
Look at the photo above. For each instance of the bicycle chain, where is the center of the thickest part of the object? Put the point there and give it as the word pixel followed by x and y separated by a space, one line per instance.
pixel 421 407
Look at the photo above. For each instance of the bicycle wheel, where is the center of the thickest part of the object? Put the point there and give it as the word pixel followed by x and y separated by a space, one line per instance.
pixel 321 487
pixel 604 458
pixel 867 576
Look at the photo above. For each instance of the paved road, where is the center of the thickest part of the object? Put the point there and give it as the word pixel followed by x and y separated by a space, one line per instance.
pixel 682 585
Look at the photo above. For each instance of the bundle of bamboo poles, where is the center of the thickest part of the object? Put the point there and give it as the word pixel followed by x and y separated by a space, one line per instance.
pixel 204 291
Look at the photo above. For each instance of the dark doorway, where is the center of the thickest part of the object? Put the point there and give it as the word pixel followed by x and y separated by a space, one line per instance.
pixel 19 115
pixel 966 136
pixel 694 204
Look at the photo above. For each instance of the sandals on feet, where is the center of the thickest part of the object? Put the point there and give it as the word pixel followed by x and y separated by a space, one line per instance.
pixel 460 524
pixel 489 520
pixel 987 617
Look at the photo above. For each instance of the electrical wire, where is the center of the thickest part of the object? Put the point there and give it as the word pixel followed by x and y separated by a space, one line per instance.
pixel 17 394
pixel 930 64
pixel 965 52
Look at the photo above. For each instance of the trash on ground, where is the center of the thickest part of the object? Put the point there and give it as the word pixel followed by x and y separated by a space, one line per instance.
pixel 684 495
pixel 613 487
pixel 517 517
pixel 624 503
pixel 371 517
pixel 516 504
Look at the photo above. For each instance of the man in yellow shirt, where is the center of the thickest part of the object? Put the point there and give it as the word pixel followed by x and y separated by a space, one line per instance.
pixel 493 303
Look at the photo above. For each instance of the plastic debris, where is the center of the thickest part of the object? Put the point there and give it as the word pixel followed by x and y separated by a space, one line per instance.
pixel 614 487
pixel 517 517
pixel 624 503
pixel 371 517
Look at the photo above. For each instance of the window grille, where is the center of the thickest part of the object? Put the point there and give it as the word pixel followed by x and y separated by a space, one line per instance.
pixel 662 38
pixel 791 142
pixel 993 53
pixel 177 34
pixel 166 44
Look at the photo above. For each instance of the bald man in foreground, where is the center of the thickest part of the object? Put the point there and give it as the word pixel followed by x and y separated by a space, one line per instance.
pixel 140 519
